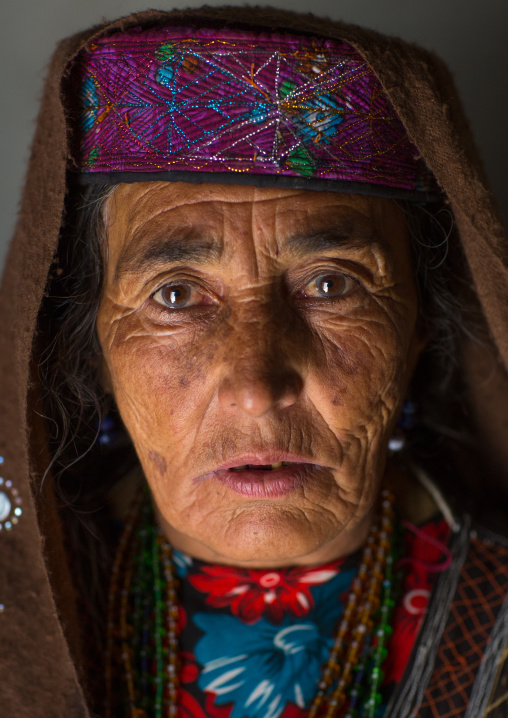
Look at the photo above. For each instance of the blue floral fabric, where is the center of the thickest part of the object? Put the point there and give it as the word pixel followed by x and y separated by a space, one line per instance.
pixel 260 667
pixel 254 642
pixel 255 663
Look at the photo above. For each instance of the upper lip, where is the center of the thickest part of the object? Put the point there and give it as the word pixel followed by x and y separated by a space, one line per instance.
pixel 264 458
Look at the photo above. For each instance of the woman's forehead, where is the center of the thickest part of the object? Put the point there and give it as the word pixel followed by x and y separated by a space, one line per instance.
pixel 148 207
pixel 155 225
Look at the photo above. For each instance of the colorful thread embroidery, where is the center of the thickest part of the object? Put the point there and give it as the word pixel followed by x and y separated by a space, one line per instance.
pixel 228 101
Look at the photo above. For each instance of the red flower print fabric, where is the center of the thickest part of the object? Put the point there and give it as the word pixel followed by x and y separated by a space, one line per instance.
pixel 252 594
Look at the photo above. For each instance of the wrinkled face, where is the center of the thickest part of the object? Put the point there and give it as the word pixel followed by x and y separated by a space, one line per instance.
pixel 244 328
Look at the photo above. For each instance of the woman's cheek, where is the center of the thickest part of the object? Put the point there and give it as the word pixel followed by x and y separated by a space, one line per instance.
pixel 356 382
pixel 158 383
pixel 363 352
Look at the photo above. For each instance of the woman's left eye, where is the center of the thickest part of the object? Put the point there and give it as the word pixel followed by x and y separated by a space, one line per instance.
pixel 177 296
pixel 330 286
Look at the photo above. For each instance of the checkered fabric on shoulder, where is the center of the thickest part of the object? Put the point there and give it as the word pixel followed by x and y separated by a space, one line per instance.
pixel 480 595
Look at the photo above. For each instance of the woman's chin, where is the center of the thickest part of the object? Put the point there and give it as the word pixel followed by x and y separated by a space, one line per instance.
pixel 261 536
pixel 296 514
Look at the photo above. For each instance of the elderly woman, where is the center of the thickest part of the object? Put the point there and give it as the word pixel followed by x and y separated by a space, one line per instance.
pixel 241 351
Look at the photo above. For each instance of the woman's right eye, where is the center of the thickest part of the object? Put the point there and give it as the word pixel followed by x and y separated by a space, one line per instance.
pixel 178 296
pixel 330 286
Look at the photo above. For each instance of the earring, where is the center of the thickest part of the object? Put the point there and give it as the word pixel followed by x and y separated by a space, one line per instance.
pixel 406 422
pixel 397 441
pixel 106 432
pixel 10 503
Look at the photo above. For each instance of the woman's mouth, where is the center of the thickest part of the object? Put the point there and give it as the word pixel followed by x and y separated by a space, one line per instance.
pixel 261 467
pixel 265 480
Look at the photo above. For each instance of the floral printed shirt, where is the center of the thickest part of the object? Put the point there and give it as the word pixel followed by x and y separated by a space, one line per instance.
pixel 254 641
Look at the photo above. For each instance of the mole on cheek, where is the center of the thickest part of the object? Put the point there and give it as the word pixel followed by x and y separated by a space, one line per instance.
pixel 210 355
pixel 182 381
pixel 159 461
pixel 348 364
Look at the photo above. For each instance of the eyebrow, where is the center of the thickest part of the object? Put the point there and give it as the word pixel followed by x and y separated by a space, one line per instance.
pixel 190 247
pixel 329 238
pixel 161 252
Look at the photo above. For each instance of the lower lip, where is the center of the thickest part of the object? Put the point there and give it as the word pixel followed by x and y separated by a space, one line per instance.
pixel 255 483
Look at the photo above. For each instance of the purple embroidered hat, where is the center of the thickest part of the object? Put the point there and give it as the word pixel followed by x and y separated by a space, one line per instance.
pixel 241 107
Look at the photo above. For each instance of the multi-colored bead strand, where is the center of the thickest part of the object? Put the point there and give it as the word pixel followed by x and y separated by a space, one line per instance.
pixel 357 621
pixel 114 599
pixel 144 591
pixel 368 674
pixel 156 583
pixel 172 626
pixel 382 634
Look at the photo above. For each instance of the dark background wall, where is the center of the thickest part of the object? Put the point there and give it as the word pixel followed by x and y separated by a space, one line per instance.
pixel 470 35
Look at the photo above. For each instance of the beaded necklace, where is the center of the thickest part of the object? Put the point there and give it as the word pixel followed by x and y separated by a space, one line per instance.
pixel 145 640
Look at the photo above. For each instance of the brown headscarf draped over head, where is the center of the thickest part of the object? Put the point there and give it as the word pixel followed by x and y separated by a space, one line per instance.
pixel 422 146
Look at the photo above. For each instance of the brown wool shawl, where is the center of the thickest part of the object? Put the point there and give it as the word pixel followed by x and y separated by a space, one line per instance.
pixel 38 677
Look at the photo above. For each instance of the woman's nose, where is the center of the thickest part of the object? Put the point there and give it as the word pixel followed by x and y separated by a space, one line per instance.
pixel 260 371
pixel 257 390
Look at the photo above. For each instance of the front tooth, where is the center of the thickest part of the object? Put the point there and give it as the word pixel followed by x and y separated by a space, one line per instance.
pixel 277 465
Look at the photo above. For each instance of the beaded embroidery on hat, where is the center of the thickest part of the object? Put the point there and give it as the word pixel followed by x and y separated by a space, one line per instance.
pixel 10 503
pixel 173 100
